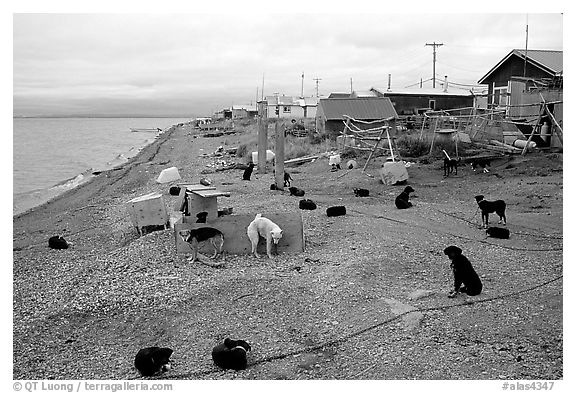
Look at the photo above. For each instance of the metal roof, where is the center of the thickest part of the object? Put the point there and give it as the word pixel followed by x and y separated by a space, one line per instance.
pixel 423 92
pixel 366 108
pixel 551 61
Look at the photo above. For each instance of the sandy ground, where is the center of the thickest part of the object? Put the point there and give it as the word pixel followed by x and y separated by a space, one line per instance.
pixel 84 312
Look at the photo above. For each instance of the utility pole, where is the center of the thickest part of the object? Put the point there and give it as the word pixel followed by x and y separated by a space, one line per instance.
pixel 434 45
pixel 526 47
pixel 351 87
pixel 317 80
pixel 302 88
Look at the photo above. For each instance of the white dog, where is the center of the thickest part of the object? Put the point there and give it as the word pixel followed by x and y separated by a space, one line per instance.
pixel 264 227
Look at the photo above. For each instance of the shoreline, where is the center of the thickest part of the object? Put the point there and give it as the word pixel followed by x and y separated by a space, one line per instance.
pixel 94 174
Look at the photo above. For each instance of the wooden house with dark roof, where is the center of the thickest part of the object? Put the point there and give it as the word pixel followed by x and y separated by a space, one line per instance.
pixel 539 64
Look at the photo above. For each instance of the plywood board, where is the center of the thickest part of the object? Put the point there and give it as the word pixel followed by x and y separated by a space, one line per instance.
pixel 236 239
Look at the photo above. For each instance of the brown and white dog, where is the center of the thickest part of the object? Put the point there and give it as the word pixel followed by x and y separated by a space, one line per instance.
pixel 262 226
pixel 196 236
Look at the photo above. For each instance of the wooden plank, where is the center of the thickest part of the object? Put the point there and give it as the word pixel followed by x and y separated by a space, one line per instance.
pixel 195 187
pixel 236 239
pixel 211 193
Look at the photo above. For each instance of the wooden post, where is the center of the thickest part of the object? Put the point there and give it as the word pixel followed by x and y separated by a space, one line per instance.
pixel 262 144
pixel 279 156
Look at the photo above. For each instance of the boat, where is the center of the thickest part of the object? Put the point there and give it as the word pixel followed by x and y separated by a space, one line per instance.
pixel 145 129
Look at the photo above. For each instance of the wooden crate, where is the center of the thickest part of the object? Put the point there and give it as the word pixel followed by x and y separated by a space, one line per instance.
pixel 149 209
pixel 235 237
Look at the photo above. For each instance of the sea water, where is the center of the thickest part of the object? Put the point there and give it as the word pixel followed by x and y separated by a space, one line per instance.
pixel 53 155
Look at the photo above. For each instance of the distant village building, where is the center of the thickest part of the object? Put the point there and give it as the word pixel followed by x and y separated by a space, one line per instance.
pixel 331 111
pixel 287 107
pixel 244 111
pixel 540 64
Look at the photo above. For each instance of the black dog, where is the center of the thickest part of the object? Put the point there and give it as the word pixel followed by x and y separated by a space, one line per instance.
pixel 296 191
pixel 57 243
pixel 175 191
pixel 334 211
pixel 482 163
pixel 450 165
pixel 201 217
pixel 361 192
pixel 307 204
pixel 231 354
pixel 466 279
pixel 402 200
pixel 499 233
pixel 287 178
pixel 248 172
pixel 151 360
pixel 488 207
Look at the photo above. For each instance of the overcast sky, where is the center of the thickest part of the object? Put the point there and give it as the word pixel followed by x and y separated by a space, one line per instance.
pixel 194 64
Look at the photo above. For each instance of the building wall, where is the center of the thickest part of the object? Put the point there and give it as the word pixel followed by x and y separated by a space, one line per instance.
pixel 410 104
pixel 514 66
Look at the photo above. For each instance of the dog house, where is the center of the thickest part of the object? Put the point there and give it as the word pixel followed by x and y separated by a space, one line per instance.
pixel 147 210
pixel 234 227
pixel 196 198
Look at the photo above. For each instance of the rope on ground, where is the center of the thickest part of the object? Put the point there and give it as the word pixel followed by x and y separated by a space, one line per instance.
pixel 342 339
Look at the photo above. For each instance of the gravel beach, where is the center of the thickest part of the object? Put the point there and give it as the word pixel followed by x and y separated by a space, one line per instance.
pixel 84 312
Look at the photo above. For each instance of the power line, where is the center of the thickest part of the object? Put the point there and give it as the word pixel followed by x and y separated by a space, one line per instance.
pixel 434 45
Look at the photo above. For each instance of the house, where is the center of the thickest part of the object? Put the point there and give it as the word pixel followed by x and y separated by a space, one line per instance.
pixel 539 64
pixel 244 111
pixel 418 100
pixel 331 111
pixel 287 107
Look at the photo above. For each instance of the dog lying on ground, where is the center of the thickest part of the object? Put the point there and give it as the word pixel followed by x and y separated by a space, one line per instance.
pixel 488 207
pixel 57 243
pixel 296 191
pixel 196 236
pixel 334 211
pixel 231 354
pixel 307 204
pixel 262 226
pixel 361 192
pixel 151 360
pixel 466 279
pixel 482 163
pixel 499 233
pixel 402 200
pixel 248 172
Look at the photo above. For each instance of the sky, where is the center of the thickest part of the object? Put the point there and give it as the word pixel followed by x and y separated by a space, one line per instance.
pixel 192 64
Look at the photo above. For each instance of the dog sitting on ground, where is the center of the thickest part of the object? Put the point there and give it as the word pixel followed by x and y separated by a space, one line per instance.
pixel 196 236
pixel 361 192
pixel 307 204
pixel 487 207
pixel 149 361
pixel 231 354
pixel 466 279
pixel 482 163
pixel 248 172
pixel 57 243
pixel 295 191
pixel 334 211
pixel 262 226
pixel 450 164
pixel 402 201
pixel 499 233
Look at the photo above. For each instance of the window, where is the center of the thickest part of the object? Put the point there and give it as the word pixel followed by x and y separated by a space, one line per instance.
pixel 287 109
pixel 432 104
pixel 500 97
